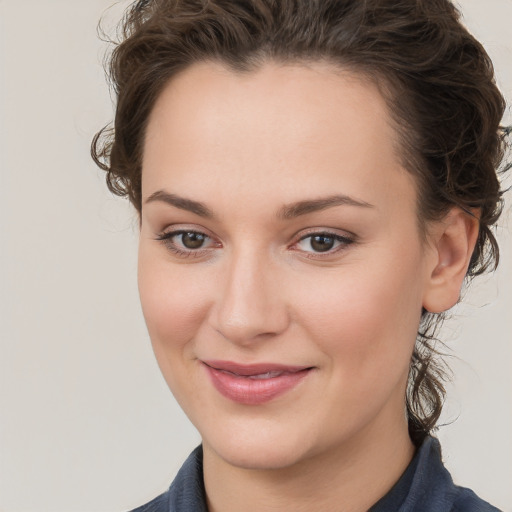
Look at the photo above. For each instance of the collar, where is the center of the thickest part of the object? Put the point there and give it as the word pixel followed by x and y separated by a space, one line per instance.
pixel 425 486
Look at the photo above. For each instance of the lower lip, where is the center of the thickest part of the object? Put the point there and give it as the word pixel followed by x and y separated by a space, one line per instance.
pixel 250 391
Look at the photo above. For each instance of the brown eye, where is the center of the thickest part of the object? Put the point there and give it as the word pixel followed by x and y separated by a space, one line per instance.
pixel 192 240
pixel 322 243
pixel 188 244
pixel 318 243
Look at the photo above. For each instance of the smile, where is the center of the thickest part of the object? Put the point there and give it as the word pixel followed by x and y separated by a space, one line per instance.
pixel 253 384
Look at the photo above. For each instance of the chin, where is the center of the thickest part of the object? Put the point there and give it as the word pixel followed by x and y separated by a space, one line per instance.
pixel 259 449
pixel 259 457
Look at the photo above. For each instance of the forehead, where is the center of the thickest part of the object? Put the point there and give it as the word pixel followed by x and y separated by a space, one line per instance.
pixel 280 129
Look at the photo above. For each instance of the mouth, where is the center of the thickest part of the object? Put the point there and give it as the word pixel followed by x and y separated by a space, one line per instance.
pixel 256 383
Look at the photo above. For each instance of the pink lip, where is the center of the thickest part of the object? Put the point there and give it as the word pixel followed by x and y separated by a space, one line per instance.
pixel 255 383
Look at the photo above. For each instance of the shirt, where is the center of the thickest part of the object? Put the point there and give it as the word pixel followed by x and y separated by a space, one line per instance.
pixel 425 486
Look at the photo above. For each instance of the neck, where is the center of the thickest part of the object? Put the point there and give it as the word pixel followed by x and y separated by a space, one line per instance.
pixel 349 478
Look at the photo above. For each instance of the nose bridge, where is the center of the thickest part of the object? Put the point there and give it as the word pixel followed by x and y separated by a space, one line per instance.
pixel 250 305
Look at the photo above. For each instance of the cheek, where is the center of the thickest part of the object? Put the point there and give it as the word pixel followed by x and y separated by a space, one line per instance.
pixel 174 302
pixel 366 315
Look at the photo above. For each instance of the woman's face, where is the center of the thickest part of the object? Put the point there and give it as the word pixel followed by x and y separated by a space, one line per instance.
pixel 281 270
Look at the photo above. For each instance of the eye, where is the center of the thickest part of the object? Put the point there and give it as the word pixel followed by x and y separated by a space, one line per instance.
pixel 186 242
pixel 323 243
pixel 191 239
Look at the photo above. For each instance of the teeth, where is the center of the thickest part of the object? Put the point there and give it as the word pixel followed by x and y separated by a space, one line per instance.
pixel 268 375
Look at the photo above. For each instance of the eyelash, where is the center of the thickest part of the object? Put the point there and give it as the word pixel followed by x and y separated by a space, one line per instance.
pixel 166 239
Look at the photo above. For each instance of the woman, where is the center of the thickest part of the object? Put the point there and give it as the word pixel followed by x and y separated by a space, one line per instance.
pixel 315 180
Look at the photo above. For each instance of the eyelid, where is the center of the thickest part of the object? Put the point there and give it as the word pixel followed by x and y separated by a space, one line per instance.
pixel 176 229
pixel 346 235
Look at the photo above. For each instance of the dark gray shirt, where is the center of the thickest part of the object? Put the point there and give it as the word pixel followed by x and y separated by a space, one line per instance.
pixel 425 486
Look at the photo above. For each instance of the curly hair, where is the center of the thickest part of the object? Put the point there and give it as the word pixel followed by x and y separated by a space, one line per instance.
pixel 436 78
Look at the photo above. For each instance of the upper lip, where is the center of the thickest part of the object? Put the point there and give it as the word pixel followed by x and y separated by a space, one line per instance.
pixel 253 369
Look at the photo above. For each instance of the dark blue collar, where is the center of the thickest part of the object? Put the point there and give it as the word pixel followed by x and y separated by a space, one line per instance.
pixel 425 486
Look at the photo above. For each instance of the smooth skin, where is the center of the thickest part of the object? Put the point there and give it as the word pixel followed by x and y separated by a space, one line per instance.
pixel 279 226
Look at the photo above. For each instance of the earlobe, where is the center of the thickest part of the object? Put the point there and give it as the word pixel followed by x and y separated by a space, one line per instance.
pixel 453 240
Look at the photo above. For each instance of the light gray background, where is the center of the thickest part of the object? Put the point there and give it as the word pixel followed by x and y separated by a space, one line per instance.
pixel 87 423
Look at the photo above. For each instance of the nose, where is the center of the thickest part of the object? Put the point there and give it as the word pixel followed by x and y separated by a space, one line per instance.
pixel 250 306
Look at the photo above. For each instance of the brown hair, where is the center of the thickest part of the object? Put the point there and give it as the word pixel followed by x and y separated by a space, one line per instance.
pixel 436 77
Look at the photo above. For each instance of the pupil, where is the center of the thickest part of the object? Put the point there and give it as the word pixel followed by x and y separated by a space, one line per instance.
pixel 321 243
pixel 192 240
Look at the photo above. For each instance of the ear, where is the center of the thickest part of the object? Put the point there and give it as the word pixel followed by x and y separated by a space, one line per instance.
pixel 452 241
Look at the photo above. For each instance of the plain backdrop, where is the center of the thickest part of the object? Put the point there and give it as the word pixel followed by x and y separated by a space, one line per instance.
pixel 87 422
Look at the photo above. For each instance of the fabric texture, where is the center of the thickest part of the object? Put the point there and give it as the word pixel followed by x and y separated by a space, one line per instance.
pixel 425 486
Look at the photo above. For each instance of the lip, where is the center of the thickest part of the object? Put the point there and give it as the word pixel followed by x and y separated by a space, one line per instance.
pixel 254 384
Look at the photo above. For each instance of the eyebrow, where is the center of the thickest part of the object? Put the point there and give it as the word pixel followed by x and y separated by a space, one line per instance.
pixel 286 212
pixel 314 205
pixel 181 202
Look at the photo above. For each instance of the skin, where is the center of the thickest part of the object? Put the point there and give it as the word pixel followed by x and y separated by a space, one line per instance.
pixel 247 146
